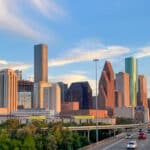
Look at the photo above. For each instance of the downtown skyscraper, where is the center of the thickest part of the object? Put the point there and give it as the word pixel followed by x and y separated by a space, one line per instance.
pixel 131 69
pixel 46 94
pixel 41 63
pixel 8 90
pixel 142 91
pixel 122 86
pixel 106 97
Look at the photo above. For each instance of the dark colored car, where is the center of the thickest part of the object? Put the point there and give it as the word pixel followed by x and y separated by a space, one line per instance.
pixel 148 130
pixel 140 130
pixel 142 135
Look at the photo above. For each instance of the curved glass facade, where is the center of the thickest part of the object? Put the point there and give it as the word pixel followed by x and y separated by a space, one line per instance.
pixel 131 69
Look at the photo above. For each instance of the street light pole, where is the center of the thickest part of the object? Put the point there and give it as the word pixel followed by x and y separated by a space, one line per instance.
pixel 96 60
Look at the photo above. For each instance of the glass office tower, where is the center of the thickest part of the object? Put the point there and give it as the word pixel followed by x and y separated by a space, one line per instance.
pixel 131 69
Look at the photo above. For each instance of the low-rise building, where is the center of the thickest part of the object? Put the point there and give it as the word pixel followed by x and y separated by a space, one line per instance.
pixel 125 112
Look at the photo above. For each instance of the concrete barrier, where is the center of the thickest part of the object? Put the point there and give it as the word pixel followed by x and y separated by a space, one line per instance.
pixel 103 142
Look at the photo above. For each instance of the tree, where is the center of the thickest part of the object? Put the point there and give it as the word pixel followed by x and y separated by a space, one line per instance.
pixel 76 141
pixel 14 144
pixel 12 124
pixel 38 138
pixel 84 141
pixel 50 142
pixel 4 134
pixel 28 143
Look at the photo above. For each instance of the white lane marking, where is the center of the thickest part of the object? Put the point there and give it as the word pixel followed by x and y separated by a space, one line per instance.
pixel 109 146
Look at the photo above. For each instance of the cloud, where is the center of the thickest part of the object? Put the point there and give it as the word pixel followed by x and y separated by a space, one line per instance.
pixel 14 65
pixel 143 52
pixel 11 19
pixel 48 8
pixel 88 53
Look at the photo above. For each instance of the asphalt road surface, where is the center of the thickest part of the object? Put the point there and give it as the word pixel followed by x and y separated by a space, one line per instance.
pixel 143 144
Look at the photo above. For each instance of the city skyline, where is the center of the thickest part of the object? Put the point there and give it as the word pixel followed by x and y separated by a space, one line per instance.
pixel 73 46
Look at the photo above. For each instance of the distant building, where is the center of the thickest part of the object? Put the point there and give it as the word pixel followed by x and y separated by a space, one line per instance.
pixel 131 69
pixel 19 74
pixel 40 63
pixel 64 88
pixel 125 112
pixel 85 114
pixel 47 96
pixel 118 99
pixel 25 94
pixel 141 114
pixel 93 102
pixel 142 91
pixel 66 107
pixel 148 103
pixel 8 90
pixel 106 98
pixel 81 92
pixel 122 85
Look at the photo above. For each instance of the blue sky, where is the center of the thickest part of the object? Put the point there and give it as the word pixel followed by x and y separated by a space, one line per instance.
pixel 76 32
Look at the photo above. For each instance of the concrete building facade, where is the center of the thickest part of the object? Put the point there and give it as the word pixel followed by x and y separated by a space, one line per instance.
pixel 122 85
pixel 106 98
pixel 69 106
pixel 25 94
pixel 40 63
pixel 47 96
pixel 125 112
pixel 142 91
pixel 8 90
pixel 131 69
pixel 19 74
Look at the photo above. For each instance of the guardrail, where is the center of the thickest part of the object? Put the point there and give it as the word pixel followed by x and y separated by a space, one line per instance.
pixel 103 142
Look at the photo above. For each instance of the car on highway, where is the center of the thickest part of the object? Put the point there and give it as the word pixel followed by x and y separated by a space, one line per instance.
pixel 132 145
pixel 148 130
pixel 140 130
pixel 142 135
pixel 128 136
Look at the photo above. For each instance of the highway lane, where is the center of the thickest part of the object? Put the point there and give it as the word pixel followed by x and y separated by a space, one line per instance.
pixel 122 143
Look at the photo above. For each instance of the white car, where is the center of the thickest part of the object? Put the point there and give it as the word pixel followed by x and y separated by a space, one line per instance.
pixel 132 145
pixel 128 136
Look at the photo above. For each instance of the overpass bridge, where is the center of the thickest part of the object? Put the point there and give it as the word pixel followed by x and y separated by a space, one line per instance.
pixel 103 127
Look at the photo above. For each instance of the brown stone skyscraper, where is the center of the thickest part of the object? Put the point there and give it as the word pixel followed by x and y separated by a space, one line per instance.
pixel 106 89
pixel 123 86
pixel 142 91
pixel 40 63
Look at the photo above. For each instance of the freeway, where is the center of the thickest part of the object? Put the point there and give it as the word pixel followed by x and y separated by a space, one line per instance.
pixel 122 143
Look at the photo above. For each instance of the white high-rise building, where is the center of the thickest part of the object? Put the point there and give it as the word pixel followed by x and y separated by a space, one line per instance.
pixel 8 90
pixel 47 96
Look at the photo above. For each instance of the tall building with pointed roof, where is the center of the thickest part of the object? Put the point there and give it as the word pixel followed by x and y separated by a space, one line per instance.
pixel 106 98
